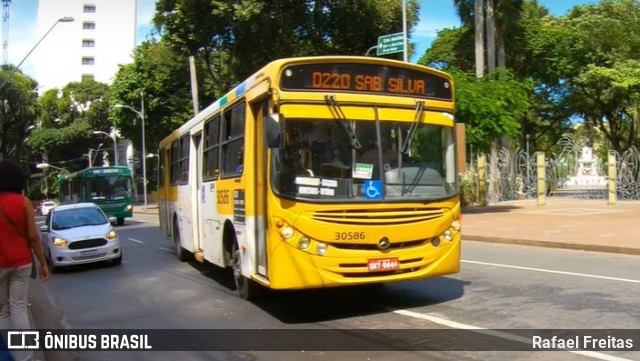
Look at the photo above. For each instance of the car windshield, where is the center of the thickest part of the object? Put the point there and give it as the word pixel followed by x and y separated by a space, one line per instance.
pixel 111 187
pixel 77 217
pixel 321 161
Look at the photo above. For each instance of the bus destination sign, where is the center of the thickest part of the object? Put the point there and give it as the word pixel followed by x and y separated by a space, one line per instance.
pixel 368 78
pixel 105 171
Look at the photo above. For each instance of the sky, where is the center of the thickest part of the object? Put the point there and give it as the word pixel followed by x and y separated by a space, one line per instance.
pixel 435 15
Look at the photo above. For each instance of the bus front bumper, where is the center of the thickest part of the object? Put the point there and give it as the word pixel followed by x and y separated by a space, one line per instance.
pixel 299 269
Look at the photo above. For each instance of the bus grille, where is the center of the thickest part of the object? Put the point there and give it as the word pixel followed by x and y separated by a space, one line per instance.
pixel 374 247
pixel 88 243
pixel 377 217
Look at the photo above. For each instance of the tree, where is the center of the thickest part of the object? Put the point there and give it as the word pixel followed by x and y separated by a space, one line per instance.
pixel 606 81
pixel 68 118
pixel 18 110
pixel 239 37
pixel 502 99
pixel 163 77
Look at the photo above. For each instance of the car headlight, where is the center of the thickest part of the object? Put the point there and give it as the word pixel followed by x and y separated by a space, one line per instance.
pixel 59 242
pixel 129 207
pixel 112 235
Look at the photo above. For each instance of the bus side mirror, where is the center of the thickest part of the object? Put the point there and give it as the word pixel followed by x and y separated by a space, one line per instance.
pixel 275 130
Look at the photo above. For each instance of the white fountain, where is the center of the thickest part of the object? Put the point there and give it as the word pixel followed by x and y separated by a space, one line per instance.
pixel 587 176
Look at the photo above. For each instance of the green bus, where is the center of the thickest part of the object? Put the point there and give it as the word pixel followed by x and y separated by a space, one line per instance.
pixel 111 188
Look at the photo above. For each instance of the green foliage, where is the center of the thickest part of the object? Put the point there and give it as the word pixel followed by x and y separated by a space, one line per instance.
pixel 68 118
pixel 162 75
pixel 468 187
pixel 240 36
pixel 491 107
pixel 18 110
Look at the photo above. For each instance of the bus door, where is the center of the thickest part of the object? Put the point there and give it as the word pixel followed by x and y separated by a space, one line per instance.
pixel 197 192
pixel 211 226
pixel 260 109
pixel 163 177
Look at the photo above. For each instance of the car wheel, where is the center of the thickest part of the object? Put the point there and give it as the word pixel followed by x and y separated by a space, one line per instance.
pixel 247 289
pixel 181 253
pixel 117 261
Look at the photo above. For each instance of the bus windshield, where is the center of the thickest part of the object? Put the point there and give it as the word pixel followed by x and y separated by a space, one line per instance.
pixel 319 161
pixel 111 187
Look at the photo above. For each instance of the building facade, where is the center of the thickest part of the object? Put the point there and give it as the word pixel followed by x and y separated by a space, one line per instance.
pixel 101 37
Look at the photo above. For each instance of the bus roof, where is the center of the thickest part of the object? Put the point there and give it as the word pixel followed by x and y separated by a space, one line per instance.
pixel 275 65
pixel 113 169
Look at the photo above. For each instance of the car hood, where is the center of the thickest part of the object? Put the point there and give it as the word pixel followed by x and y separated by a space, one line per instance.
pixel 85 232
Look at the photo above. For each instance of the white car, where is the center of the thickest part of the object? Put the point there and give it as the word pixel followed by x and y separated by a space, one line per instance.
pixel 79 233
pixel 46 207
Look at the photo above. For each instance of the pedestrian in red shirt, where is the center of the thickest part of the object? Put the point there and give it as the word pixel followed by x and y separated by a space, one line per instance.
pixel 18 239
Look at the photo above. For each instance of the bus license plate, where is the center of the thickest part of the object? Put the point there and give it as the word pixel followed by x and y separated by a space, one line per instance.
pixel 383 264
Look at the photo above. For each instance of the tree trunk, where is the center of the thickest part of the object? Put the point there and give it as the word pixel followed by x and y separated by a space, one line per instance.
pixel 491 38
pixel 479 37
pixel 502 54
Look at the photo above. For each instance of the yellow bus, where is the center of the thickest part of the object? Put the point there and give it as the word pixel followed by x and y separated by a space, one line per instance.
pixel 318 172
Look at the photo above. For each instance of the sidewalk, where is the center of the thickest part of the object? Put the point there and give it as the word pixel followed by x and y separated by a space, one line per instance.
pixel 588 225
pixel 152 208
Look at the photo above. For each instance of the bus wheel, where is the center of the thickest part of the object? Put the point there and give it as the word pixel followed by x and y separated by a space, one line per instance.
pixel 120 221
pixel 246 288
pixel 181 253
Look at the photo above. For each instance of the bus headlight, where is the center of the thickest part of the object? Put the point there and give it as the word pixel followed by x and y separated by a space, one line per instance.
pixel 129 207
pixel 59 242
pixel 303 243
pixel 448 236
pixel 286 232
pixel 112 235
pixel 455 225
pixel 321 249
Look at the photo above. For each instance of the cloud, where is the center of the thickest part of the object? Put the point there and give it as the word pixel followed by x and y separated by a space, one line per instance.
pixel 428 27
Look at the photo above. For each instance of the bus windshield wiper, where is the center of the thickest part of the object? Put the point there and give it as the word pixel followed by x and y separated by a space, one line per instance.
pixel 342 119
pixel 413 127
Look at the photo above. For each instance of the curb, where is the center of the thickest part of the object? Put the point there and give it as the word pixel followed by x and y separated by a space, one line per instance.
pixel 554 244
pixel 48 315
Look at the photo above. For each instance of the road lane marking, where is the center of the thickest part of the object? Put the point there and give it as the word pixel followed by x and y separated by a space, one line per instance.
pixel 136 240
pixel 499 334
pixel 629 280
pixel 166 249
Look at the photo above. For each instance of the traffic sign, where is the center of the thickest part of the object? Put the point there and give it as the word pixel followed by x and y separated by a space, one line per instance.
pixel 392 43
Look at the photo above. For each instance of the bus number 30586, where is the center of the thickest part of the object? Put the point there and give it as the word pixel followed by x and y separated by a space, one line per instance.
pixel 349 236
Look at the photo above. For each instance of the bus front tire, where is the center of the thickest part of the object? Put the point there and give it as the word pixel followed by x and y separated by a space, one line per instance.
pixel 120 221
pixel 181 253
pixel 246 288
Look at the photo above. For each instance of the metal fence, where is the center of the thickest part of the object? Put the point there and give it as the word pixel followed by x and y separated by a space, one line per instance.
pixel 574 172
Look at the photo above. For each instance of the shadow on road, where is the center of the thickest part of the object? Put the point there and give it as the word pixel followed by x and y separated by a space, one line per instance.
pixel 318 305
pixel 325 304
pixel 489 209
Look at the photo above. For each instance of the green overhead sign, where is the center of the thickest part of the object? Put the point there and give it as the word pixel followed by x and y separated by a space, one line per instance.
pixel 392 43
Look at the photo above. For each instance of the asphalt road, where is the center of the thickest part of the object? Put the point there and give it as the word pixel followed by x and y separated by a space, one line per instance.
pixel 500 287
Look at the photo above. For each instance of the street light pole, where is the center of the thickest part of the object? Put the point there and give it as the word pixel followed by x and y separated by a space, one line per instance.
pixel 115 143
pixel 144 151
pixel 47 165
pixel 404 29
pixel 66 19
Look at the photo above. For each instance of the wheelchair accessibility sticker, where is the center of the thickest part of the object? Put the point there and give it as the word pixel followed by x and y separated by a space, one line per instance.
pixel 373 189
